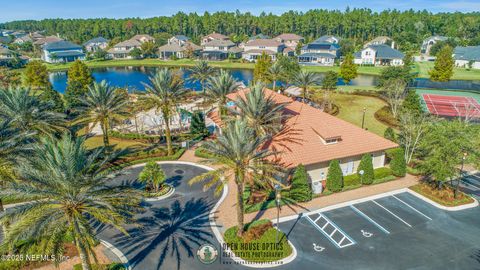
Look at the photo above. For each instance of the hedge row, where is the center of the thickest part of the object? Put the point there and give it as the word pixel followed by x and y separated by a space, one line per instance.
pixel 379 174
pixel 385 116
pixel 120 166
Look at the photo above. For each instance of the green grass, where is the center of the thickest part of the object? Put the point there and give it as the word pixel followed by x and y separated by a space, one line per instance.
pixel 459 73
pixel 351 110
pixel 266 243
pixel 97 141
pixel 443 196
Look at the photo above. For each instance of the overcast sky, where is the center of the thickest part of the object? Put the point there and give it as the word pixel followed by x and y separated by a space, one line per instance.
pixel 40 9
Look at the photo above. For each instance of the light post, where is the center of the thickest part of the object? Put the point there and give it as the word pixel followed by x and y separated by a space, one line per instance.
pixel 277 200
pixel 363 118
pixel 361 172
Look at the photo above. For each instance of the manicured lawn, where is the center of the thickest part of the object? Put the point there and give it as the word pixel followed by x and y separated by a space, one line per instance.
pixel 459 73
pixel 97 141
pixel 443 196
pixel 351 110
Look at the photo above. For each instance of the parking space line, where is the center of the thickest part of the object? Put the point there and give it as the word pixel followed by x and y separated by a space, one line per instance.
pixel 393 214
pixel 356 210
pixel 470 182
pixel 411 207
pixel 329 236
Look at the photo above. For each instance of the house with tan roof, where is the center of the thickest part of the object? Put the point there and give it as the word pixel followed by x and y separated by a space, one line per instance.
pixel 290 40
pixel 211 37
pixel 253 49
pixel 49 39
pixel 218 49
pixel 122 50
pixel 379 41
pixel 314 138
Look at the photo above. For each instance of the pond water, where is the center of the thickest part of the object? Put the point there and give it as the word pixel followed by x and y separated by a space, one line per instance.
pixel 133 78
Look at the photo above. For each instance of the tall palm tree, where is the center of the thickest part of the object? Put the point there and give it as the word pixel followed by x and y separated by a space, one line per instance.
pixel 238 154
pixel 261 112
pixel 201 72
pixel 25 111
pixel 103 104
pixel 219 87
pixel 73 186
pixel 14 145
pixel 164 94
pixel 275 72
pixel 304 79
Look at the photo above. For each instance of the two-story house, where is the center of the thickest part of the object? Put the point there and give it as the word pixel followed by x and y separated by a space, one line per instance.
pixel 95 44
pixel 467 57
pixel 290 40
pixel 213 36
pixel 178 46
pixel 217 49
pixel 379 55
pixel 255 48
pixel 323 51
pixel 429 42
pixel 122 50
pixel 62 51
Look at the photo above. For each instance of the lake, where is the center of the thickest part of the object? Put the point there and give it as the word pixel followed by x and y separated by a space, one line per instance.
pixel 134 77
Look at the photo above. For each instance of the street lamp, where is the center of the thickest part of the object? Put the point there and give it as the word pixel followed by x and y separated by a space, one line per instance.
pixel 361 172
pixel 363 118
pixel 277 200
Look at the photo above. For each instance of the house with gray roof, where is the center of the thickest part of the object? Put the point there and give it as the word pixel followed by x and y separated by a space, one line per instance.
pixel 179 51
pixel 321 52
pixel 467 57
pixel 253 49
pixel 379 55
pixel 178 39
pixel 122 50
pixel 95 44
pixel 62 51
pixel 429 42
pixel 217 49
pixel 289 39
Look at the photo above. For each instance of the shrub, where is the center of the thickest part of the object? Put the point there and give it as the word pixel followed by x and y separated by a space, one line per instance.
pixel 334 177
pixel 351 180
pixel 385 116
pixel 256 231
pixel 367 166
pixel 300 190
pixel 389 134
pixel 197 125
pixel 397 163
pixel 383 172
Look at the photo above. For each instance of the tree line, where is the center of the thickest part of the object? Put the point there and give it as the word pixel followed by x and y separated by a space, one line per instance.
pixel 408 28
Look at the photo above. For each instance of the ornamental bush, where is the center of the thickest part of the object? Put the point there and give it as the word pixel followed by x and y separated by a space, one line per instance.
pixel 366 165
pixel 300 190
pixel 334 177
pixel 197 125
pixel 397 163
pixel 389 134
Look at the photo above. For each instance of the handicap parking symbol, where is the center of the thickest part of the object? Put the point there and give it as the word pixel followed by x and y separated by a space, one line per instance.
pixel 318 248
pixel 366 234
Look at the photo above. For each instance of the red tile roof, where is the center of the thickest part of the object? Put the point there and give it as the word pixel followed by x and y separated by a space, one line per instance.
pixel 305 130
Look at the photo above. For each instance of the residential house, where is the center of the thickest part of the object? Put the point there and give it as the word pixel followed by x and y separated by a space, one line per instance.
pixel 467 57
pixel 323 52
pixel 6 54
pixel 95 44
pixel 217 49
pixel 255 48
pixel 122 50
pixel 379 55
pixel 429 42
pixel 45 40
pixel 178 48
pixel 23 39
pixel 380 41
pixel 62 52
pixel 178 39
pixel 290 40
pixel 314 138
pixel 36 36
pixel 213 36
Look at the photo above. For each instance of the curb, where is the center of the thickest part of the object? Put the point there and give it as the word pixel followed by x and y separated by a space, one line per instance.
pixel 117 253
pixel 446 208
pixel 159 198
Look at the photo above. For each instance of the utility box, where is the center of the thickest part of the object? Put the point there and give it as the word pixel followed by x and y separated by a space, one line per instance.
pixel 317 187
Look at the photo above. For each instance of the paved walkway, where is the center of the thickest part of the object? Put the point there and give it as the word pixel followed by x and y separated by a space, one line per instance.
pixel 226 215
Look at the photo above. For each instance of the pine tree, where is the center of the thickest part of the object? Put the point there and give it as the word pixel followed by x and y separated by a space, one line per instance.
pixel 443 68
pixel 79 79
pixel 412 103
pixel 36 76
pixel 55 98
pixel 366 166
pixel 263 64
pixel 300 189
pixel 334 177
pixel 389 134
pixel 197 125
pixel 330 80
pixel 348 69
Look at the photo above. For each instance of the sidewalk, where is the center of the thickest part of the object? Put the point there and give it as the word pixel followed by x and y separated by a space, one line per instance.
pixel 226 215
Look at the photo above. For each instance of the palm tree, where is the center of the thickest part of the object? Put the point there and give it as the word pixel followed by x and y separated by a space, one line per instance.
pixel 219 87
pixel 237 153
pixel 25 111
pixel 152 175
pixel 164 94
pixel 201 72
pixel 72 183
pixel 261 112
pixel 103 105
pixel 275 72
pixel 305 79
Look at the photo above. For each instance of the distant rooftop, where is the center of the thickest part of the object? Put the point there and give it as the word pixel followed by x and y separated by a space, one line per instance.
pixel 62 45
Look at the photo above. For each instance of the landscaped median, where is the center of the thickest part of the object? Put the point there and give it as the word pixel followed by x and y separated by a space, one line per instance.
pixel 444 196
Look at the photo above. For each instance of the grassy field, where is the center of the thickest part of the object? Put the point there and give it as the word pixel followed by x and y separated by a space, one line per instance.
pixel 351 110
pixel 97 141
pixel 459 73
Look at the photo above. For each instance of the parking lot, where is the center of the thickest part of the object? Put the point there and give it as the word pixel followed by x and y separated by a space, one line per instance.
pixel 471 184
pixel 397 231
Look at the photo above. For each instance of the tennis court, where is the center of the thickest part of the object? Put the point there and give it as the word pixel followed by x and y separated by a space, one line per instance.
pixel 452 106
